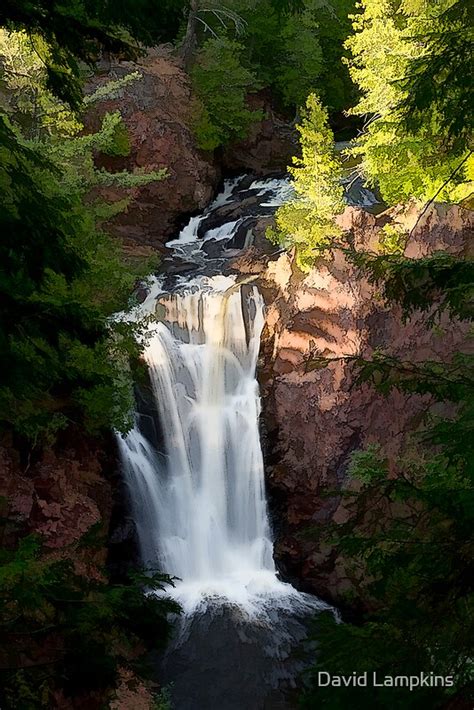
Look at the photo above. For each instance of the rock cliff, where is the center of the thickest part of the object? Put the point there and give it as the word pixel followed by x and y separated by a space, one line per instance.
pixel 315 417
pixel 157 111
pixel 270 145
pixel 61 493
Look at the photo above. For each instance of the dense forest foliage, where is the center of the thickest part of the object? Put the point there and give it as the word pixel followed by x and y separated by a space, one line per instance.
pixel 400 74
pixel 66 634
pixel 288 48
pixel 417 560
pixel 63 360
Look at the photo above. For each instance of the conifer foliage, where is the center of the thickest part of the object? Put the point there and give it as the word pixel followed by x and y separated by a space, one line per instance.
pixel 222 84
pixel 61 359
pixel 307 222
pixel 289 48
pixel 67 633
pixel 410 62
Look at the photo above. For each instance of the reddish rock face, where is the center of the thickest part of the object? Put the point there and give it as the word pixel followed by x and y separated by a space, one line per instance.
pixel 157 110
pixel 315 417
pixel 60 496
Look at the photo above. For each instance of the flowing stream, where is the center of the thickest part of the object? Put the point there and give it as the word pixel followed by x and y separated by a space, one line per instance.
pixel 197 483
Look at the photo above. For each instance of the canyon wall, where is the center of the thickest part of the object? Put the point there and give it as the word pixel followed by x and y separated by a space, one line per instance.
pixel 315 415
pixel 69 495
pixel 157 110
pixel 60 492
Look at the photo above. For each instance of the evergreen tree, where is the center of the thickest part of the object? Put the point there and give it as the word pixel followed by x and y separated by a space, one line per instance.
pixel 61 358
pixel 440 80
pixel 390 48
pixel 79 29
pixel 307 222
pixel 222 84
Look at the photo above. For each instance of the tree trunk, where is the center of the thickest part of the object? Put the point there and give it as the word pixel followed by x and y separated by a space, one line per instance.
pixel 189 44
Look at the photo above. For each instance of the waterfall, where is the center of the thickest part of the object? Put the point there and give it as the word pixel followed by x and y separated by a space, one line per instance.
pixel 194 468
pixel 200 505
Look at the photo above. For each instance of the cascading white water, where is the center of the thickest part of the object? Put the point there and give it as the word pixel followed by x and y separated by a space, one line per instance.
pixel 201 509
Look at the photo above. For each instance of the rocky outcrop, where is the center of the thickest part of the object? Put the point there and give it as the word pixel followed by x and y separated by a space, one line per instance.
pixel 65 495
pixel 315 415
pixel 60 495
pixel 157 110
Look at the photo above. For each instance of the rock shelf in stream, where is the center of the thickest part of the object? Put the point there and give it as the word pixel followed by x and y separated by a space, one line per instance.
pixel 229 225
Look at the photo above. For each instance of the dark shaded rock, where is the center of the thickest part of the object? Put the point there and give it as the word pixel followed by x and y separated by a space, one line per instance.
pixel 141 292
pixel 183 267
pixel 157 110
pixel 243 236
pixel 213 248
pixel 269 146
pixel 246 181
pixel 62 494
pixel 234 211
pixel 124 546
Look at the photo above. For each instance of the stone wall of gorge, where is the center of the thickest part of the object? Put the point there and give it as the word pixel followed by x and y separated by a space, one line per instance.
pixel 157 111
pixel 60 492
pixel 315 417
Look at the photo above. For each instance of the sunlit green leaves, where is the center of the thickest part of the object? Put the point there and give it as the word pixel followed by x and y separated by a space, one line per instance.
pixel 307 222
pixel 408 156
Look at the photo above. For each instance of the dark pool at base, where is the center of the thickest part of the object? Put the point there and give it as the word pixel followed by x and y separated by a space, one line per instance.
pixel 221 660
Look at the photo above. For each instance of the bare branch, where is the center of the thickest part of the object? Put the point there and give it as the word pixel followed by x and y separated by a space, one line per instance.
pixel 220 13
pixel 207 27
